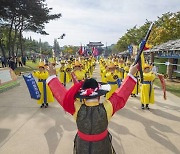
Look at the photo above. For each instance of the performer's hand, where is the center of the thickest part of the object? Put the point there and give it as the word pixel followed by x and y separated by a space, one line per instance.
pixel 51 70
pixel 133 69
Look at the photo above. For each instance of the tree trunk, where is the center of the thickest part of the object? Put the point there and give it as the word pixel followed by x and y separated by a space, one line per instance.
pixel 14 40
pixel 13 43
pixel 20 41
pixel 17 48
pixel 9 38
pixel 20 37
pixel 2 49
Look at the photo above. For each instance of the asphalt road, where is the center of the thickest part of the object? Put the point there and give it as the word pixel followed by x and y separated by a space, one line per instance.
pixel 25 128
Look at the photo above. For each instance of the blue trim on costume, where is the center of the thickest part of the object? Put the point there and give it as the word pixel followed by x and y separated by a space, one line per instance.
pixel 44 89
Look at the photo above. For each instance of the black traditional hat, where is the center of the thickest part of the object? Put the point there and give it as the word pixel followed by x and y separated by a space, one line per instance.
pixel 92 89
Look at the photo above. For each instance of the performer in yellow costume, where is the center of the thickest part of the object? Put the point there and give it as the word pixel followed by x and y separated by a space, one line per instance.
pixel 112 79
pixel 136 89
pixel 46 95
pixel 147 91
pixel 68 71
pixel 62 74
pixel 53 62
pixel 121 67
pixel 126 69
pixel 78 71
pixel 87 68
pixel 104 72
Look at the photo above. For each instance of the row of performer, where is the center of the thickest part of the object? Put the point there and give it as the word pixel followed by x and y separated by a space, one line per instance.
pixel 114 71
pixel 82 100
pixel 81 69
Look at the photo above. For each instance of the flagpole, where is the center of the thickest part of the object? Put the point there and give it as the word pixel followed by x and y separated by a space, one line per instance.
pixel 143 44
pixel 138 58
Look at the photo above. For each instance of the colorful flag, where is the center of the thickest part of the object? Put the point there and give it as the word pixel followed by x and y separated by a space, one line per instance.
pixel 32 86
pixel 95 51
pixel 80 50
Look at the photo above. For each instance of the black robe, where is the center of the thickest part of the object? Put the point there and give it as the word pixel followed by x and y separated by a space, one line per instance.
pixel 92 120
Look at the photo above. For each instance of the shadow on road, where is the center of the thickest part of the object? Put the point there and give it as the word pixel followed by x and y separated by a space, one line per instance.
pixel 167 106
pixel 3 134
pixel 54 134
pixel 165 115
pixel 155 131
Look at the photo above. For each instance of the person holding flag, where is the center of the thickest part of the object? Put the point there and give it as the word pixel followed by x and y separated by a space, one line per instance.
pixel 92 117
pixel 46 94
pixel 147 90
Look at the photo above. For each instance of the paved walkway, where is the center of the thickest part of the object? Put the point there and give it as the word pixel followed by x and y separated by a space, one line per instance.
pixel 27 129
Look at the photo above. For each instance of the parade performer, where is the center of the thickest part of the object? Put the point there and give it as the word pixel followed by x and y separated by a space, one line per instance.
pixel 126 68
pixel 87 68
pixel 46 94
pixel 121 67
pixel 68 71
pixel 53 62
pixel 78 71
pixel 62 73
pixel 137 86
pixel 147 90
pixel 92 117
pixel 112 78
pixel 104 72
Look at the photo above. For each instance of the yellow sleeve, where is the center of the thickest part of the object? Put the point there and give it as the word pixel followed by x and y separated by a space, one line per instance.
pixel 108 76
pixel 149 76
pixel 77 105
pixel 44 75
pixel 109 108
pixel 36 74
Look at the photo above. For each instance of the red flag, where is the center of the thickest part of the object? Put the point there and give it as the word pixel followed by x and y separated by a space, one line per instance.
pixel 95 51
pixel 163 84
pixel 81 50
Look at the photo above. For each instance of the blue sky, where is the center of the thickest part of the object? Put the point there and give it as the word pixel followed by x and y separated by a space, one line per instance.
pixel 100 20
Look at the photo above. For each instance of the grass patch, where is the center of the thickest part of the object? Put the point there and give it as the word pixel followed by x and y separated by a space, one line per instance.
pixel 30 66
pixel 173 87
pixel 161 67
pixel 8 86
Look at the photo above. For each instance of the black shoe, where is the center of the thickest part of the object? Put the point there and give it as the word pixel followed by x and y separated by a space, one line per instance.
pixel 46 105
pixel 142 107
pixel 147 106
pixel 42 105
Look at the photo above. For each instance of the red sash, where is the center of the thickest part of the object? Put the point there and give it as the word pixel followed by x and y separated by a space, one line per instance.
pixel 93 138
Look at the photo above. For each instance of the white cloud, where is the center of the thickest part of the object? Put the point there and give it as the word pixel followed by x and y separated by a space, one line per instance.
pixel 102 20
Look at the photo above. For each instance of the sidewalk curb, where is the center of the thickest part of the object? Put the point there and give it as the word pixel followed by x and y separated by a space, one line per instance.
pixel 15 84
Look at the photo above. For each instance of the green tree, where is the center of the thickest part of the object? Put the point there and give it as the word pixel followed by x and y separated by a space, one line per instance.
pixel 24 15
pixel 70 49
pixel 166 28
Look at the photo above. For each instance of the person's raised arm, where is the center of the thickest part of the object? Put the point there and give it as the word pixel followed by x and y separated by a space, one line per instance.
pixel 57 88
